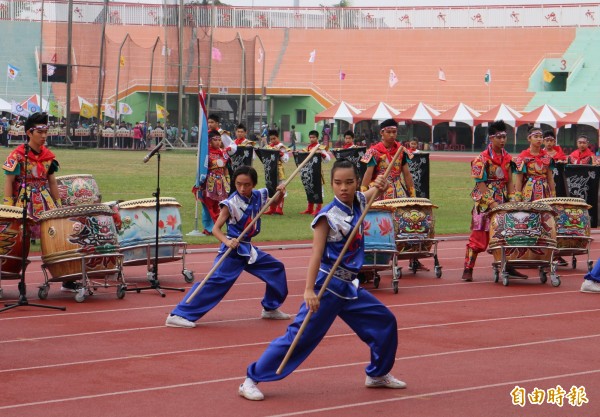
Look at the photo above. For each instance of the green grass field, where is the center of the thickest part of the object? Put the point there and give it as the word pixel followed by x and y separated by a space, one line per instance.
pixel 121 175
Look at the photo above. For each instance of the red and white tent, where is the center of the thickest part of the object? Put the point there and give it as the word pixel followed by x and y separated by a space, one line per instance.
pixel 420 112
pixel 341 111
pixel 461 113
pixel 586 115
pixel 379 112
pixel 500 112
pixel 544 114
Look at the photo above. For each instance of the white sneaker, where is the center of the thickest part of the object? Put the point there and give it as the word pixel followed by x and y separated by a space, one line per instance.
pixel 67 289
pixel 386 381
pixel 276 314
pixel 590 286
pixel 249 390
pixel 178 321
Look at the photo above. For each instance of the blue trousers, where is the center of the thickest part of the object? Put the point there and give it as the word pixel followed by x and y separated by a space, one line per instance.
pixel 373 322
pixel 594 275
pixel 266 268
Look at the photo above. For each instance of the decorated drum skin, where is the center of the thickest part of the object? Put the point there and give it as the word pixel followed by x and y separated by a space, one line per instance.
pixel 379 235
pixel 519 225
pixel 12 246
pixel 78 190
pixel 70 233
pixel 138 229
pixel 572 222
pixel 413 219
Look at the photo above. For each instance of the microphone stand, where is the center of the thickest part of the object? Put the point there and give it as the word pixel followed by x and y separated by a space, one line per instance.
pixel 24 243
pixel 154 283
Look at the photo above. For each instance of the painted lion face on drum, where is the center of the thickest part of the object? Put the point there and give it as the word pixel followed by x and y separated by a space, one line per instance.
pixel 93 232
pixel 414 221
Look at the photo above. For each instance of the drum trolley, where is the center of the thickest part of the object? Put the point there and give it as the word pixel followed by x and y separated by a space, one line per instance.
pixel 377 260
pixel 8 275
pixel 89 278
pixel 143 254
pixel 419 249
pixel 544 267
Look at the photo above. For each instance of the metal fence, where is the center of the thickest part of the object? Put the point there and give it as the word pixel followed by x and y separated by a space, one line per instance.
pixel 518 16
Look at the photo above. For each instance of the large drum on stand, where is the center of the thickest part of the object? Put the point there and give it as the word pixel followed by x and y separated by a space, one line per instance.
pixel 380 245
pixel 573 226
pixel 12 246
pixel 137 236
pixel 523 235
pixel 79 243
pixel 78 189
pixel 414 226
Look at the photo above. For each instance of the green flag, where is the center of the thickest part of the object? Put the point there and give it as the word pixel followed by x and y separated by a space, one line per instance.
pixel 54 109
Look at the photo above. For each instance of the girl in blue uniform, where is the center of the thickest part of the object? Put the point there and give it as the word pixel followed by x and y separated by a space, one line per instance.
pixel 238 211
pixel 365 314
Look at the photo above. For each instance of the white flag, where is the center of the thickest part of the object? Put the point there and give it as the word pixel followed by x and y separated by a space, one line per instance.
pixel 19 110
pixel 313 56
pixel 393 79
pixel 125 108
pixel 442 75
pixel 109 111
pixel 261 55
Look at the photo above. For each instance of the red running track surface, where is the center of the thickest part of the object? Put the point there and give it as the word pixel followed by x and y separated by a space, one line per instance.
pixel 463 347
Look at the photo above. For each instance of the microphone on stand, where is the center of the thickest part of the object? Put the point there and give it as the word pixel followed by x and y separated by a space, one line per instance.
pixel 153 152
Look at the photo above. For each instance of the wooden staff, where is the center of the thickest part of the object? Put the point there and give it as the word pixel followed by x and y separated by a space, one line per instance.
pixel 250 225
pixel 337 263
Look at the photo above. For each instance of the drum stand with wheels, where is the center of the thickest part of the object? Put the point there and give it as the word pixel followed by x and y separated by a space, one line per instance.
pixel 22 287
pixel 153 275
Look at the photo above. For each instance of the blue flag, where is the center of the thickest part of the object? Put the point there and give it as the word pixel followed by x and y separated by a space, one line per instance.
pixel 202 145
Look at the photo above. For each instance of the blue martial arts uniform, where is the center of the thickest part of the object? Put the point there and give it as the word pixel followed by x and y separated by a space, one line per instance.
pixel 245 258
pixel 373 322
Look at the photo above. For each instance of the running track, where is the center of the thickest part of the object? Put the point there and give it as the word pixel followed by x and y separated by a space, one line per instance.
pixel 463 348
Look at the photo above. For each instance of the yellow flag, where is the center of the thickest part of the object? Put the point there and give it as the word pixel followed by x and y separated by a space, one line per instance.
pixel 161 112
pixel 86 111
pixel 122 61
pixel 548 77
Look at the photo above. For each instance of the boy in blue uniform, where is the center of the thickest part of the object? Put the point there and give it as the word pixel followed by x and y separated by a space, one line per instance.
pixel 365 314
pixel 238 211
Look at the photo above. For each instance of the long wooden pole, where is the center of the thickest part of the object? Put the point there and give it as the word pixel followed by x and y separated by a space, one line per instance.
pixel 337 263
pixel 251 224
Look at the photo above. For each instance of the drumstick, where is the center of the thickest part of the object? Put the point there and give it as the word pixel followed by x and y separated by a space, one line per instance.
pixel 250 225
pixel 335 266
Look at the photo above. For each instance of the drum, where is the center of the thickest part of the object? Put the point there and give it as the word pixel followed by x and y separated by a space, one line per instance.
pixel 413 222
pixel 378 232
pixel 572 222
pixel 70 233
pixel 137 236
pixel 516 226
pixel 12 246
pixel 78 189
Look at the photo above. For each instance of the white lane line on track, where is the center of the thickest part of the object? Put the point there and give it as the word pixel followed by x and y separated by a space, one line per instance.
pixel 264 343
pixel 436 393
pixel 240 378
pixel 125 310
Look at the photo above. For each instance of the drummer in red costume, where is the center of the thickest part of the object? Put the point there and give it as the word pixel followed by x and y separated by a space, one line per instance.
pixel 583 155
pixel 377 159
pixel 217 184
pixel 491 170
pixel 348 140
pixel 552 149
pixel 240 136
pixel 535 179
pixel 38 174
pixel 313 136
